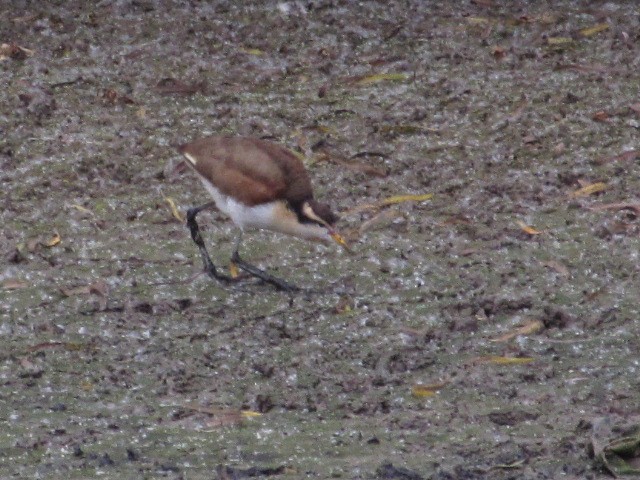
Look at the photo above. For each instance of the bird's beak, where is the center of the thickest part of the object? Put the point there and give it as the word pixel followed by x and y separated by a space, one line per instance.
pixel 339 240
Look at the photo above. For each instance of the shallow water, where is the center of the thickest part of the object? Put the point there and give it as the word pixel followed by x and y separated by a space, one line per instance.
pixel 146 375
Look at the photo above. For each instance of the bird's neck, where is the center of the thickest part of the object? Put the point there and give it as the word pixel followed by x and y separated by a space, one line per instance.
pixel 285 221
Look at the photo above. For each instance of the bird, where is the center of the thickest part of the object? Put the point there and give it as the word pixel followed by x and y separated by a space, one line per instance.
pixel 259 184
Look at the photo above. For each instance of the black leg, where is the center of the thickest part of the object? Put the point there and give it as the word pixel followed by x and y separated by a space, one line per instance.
pixel 209 267
pixel 259 273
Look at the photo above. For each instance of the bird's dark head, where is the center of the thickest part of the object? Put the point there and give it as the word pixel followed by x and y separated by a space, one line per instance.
pixel 321 214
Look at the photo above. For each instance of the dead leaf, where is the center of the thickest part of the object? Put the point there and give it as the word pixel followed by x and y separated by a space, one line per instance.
pixel 252 51
pixel 82 209
pixel 589 190
pixel 177 214
pixel 600 116
pixel 591 31
pixel 478 21
pixel 406 198
pixel 13 284
pixel 498 360
pixel 424 391
pixel 222 417
pixel 510 466
pixel 559 41
pixel 25 18
pixel 53 241
pixel 635 107
pixel 234 272
pixel 530 328
pixel 377 78
pixel 529 230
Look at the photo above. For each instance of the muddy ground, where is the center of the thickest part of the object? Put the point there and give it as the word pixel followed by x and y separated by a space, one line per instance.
pixel 489 332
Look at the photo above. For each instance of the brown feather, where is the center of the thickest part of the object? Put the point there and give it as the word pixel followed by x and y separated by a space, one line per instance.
pixel 251 170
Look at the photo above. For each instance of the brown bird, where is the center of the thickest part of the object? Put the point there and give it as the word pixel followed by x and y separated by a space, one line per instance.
pixel 258 184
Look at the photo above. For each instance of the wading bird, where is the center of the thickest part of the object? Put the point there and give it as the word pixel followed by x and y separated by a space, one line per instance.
pixel 259 185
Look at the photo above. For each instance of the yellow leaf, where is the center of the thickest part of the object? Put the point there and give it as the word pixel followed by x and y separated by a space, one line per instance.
pixel 347 308
pixel 506 360
pixel 423 391
pixel 530 328
pixel 325 129
pixel 53 241
pixel 406 129
pixel 233 270
pixel 252 51
pixel 301 156
pixel 406 198
pixel 477 20
pixel 382 77
pixel 558 40
pixel 527 229
pixel 82 209
pixel 589 189
pixel 590 31
pixel 250 414
pixel 174 209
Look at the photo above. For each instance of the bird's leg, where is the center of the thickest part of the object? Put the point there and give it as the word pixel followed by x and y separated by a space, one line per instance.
pixel 257 272
pixel 209 267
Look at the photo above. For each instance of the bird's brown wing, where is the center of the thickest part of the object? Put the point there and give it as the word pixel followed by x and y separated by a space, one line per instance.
pixel 296 180
pixel 251 170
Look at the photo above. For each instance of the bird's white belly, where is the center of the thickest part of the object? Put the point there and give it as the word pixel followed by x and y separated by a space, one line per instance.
pixel 244 216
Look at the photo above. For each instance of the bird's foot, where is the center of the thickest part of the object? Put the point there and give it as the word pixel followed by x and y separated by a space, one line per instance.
pixel 279 283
